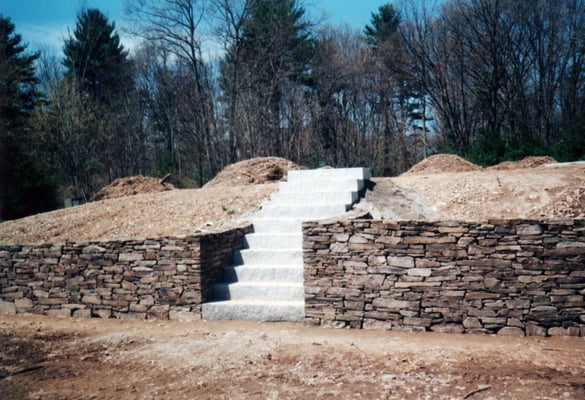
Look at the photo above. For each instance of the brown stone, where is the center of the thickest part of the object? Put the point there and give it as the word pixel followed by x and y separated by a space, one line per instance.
pixel 511 331
pixel 448 328
pixel 528 229
pixel 158 312
pixel 7 307
pixel 394 304
pixel 472 323
pixel 412 321
pixel 401 262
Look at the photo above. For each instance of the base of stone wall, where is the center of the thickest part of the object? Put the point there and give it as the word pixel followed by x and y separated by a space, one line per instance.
pixel 575 330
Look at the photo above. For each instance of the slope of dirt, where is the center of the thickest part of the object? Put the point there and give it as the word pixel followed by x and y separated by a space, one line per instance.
pixel 527 162
pixel 540 192
pixel 131 186
pixel 47 359
pixel 175 212
pixel 440 163
pixel 552 191
pixel 254 172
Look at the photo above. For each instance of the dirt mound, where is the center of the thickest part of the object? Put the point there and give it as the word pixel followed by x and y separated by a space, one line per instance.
pixel 131 186
pixel 528 162
pixel 570 203
pixel 441 163
pixel 254 172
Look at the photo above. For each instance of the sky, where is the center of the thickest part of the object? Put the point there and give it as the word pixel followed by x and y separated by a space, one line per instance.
pixel 44 24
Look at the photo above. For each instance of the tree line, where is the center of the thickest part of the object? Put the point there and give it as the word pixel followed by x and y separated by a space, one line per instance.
pixel 490 80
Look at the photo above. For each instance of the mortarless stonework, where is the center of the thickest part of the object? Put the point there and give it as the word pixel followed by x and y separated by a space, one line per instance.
pixel 159 278
pixel 509 277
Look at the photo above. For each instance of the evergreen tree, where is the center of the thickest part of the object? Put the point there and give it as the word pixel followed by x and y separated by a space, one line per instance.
pixel 95 57
pixel 384 25
pixel 275 50
pixel 24 186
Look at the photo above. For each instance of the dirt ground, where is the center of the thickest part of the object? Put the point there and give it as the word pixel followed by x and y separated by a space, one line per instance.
pixel 42 358
pixel 441 187
pixel 507 192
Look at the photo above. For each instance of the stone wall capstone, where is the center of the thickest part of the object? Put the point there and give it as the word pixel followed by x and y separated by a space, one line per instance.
pixel 157 278
pixel 510 277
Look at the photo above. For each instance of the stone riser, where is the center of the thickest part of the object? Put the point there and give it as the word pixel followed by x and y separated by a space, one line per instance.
pixel 260 291
pixel 314 198
pixel 255 311
pixel 268 257
pixel 302 211
pixel 324 186
pixel 277 225
pixel 249 273
pixel 273 240
pixel 317 175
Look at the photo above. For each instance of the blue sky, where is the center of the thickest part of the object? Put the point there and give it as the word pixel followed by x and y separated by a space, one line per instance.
pixel 44 24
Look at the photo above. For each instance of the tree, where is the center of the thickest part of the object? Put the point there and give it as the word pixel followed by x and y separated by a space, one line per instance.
pixel 25 188
pixel 95 57
pixel 392 87
pixel 175 25
pixel 275 55
pixel 230 18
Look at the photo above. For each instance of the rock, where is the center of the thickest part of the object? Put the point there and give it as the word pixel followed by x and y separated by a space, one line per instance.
pixel 102 312
pixel 158 312
pixel 472 323
pixel 511 331
pixel 419 272
pixel 23 304
pixel 448 328
pixel 528 229
pixel 182 315
pixel 401 262
pixel 93 249
pixel 59 313
pixel 535 330
pixel 129 257
pixel 557 331
pixel 7 308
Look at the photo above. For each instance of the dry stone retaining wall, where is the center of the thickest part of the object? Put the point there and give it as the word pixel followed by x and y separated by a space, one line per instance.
pixel 140 278
pixel 506 277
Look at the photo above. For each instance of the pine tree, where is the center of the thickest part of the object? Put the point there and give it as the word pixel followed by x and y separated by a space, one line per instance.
pixel 25 187
pixel 275 50
pixel 95 57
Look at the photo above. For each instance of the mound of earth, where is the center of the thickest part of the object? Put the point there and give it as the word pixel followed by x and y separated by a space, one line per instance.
pixel 130 186
pixel 482 194
pixel 254 172
pixel 527 162
pixel 169 213
pixel 441 163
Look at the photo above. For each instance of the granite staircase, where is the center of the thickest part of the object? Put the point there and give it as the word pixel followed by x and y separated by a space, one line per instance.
pixel 266 281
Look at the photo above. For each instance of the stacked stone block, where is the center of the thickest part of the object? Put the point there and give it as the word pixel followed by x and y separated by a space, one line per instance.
pixel 509 277
pixel 161 278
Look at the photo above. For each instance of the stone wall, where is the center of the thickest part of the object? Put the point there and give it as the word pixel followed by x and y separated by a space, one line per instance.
pixel 141 278
pixel 506 277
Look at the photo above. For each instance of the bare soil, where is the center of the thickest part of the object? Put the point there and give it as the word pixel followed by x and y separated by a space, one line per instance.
pixel 256 171
pixel 42 358
pixel 532 190
pixel 131 186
